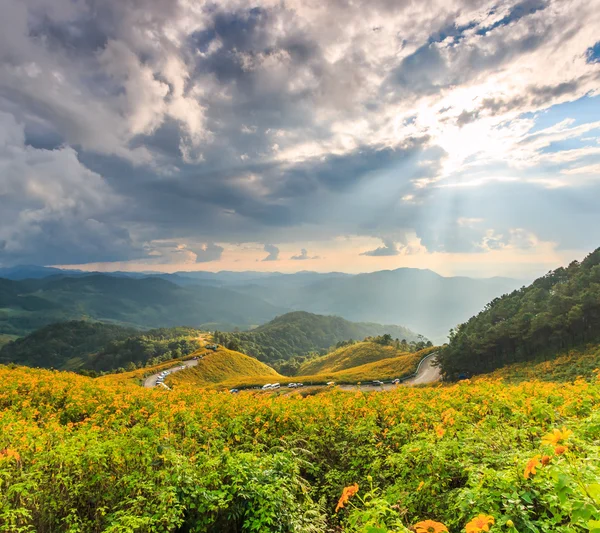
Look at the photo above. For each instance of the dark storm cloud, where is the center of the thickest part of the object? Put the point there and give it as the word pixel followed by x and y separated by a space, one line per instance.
pixel 126 123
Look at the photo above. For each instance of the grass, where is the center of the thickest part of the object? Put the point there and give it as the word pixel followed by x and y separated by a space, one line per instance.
pixel 563 367
pixel 220 366
pixel 394 367
pixel 347 357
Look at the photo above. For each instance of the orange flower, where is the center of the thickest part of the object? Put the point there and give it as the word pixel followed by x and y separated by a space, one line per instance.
pixel 532 464
pixel 480 523
pixel 557 436
pixel 421 485
pixel 559 450
pixel 347 493
pixel 440 431
pixel 7 453
pixel 545 460
pixel 429 526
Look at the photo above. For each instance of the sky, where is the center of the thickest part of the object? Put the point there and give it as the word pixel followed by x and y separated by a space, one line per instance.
pixel 457 135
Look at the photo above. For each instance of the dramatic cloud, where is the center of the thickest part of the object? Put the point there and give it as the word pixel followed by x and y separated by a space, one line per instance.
pixel 148 131
pixel 273 252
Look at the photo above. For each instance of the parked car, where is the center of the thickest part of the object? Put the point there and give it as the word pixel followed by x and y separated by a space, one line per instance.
pixel 292 385
pixel 233 391
pixel 299 384
pixel 396 381
pixel 267 386
pixel 275 386
pixel 377 383
pixel 330 383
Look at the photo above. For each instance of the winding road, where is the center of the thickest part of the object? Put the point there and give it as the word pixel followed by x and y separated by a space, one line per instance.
pixel 426 373
pixel 150 381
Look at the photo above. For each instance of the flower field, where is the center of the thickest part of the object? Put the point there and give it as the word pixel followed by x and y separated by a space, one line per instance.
pixel 84 455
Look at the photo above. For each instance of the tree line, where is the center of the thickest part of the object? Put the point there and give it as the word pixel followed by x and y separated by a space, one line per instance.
pixel 556 312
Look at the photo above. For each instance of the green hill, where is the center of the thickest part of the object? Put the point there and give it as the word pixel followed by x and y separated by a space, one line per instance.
pixel 353 355
pixel 300 333
pixel 556 312
pixel 220 366
pixel 27 305
pixel 86 345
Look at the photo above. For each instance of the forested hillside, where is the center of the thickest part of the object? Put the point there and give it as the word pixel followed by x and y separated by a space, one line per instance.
pixel 27 305
pixel 94 346
pixel 300 333
pixel 557 311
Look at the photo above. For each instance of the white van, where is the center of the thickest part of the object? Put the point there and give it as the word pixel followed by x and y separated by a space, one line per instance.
pixel 267 386
pixel 275 386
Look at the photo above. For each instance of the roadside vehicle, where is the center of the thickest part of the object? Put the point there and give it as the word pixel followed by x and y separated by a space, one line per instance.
pixel 330 383
pixel 396 381
pixel 292 385
pixel 377 383
pixel 275 386
pixel 267 386
pixel 233 391
pixel 299 384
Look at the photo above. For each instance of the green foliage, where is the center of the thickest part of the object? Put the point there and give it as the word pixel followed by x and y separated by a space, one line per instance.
pixel 82 455
pixel 564 367
pixel 299 334
pixel 97 347
pixel 554 313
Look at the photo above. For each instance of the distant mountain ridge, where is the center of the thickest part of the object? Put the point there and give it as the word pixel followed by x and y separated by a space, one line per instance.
pixel 149 302
pixel 420 300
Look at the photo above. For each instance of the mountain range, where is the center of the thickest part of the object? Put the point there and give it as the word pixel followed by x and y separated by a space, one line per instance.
pixel 420 300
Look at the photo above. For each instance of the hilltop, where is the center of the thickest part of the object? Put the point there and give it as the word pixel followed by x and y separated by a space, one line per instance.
pixel 349 356
pixel 557 311
pixel 300 333
pixel 220 366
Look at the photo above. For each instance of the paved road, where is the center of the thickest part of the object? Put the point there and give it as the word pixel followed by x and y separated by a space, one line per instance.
pixel 426 373
pixel 150 381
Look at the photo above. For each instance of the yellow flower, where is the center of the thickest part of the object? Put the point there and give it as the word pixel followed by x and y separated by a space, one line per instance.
pixel 429 526
pixel 532 464
pixel 347 493
pixel 420 486
pixel 557 436
pixel 480 523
